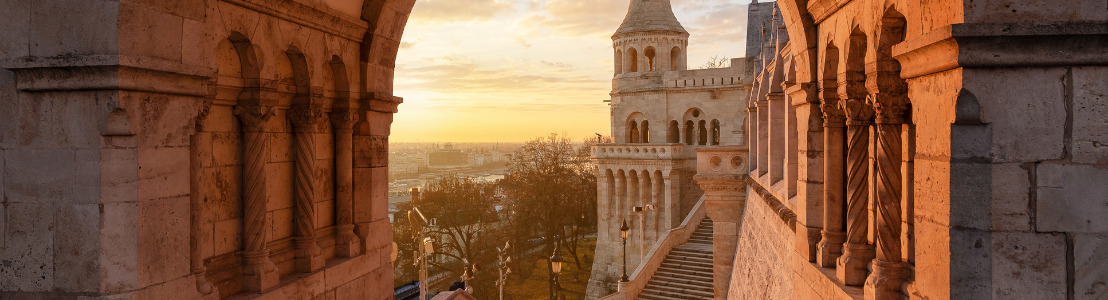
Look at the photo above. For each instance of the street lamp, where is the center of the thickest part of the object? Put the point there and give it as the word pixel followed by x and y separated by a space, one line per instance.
pixel 641 211
pixel 504 260
pixel 425 245
pixel 623 231
pixel 556 267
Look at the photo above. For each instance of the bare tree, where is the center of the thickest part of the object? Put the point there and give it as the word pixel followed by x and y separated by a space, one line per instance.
pixel 717 61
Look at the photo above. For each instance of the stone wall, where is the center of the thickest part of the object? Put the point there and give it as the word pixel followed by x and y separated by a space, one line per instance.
pixel 763 260
pixel 196 149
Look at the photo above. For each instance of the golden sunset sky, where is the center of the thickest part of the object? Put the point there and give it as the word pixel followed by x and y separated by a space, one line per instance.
pixel 512 70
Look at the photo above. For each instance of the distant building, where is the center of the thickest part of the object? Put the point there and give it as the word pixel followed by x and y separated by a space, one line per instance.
pixel 447 157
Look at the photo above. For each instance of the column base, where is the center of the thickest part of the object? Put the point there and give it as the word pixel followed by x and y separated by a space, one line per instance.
pixel 203 286
pixel 347 244
pixel 260 273
pixel 309 257
pixel 830 248
pixel 885 281
pixel 852 265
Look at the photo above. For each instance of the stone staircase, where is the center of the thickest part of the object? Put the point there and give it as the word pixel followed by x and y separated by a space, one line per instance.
pixel 686 272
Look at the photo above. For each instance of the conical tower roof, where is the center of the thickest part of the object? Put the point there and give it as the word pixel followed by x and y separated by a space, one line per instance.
pixel 650 15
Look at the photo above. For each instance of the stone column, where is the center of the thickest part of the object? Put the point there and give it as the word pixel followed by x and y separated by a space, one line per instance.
pixel 834 183
pixel 673 198
pixel 808 169
pixel 647 196
pixel 777 151
pixel 307 123
pixel 857 253
pixel 619 206
pixel 347 244
pixel 888 268
pixel 725 198
pixel 200 237
pixel 763 137
pixel 259 273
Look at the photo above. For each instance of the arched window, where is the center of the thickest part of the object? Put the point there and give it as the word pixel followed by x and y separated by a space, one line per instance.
pixel 632 132
pixel 650 54
pixel 675 59
pixel 715 132
pixel 702 136
pixel 619 61
pixel 673 133
pixel 645 129
pixel 632 60
pixel 689 125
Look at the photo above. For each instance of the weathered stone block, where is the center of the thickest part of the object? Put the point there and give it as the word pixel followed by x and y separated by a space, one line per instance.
pixel 163 229
pixel 119 175
pixel 223 193
pixel 13 40
pixel 169 121
pixel 1026 110
pixel 1091 269
pixel 279 183
pixel 380 198
pixel 221 119
pixel 227 236
pixel 28 256
pixel 45 176
pixel 77 242
pixel 1009 197
pixel 80 33
pixel 1028 265
pixel 226 149
pixel 325 214
pixel 163 173
pixel 280 224
pixel 1072 198
pixel 119 256
pixel 1090 115
pixel 150 33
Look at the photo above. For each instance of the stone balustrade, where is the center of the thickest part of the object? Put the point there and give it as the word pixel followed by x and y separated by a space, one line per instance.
pixel 641 151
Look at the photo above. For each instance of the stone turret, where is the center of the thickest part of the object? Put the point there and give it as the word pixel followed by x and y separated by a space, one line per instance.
pixel 650 39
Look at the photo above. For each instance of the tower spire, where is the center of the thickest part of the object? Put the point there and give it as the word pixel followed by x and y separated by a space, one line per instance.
pixel 650 15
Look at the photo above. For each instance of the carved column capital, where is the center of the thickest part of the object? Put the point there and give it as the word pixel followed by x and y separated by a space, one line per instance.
pixel 344 119
pixel 857 112
pixel 833 115
pixel 308 118
pixel 254 117
pixel 889 108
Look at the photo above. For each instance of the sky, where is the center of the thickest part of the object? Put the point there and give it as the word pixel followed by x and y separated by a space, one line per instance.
pixel 513 70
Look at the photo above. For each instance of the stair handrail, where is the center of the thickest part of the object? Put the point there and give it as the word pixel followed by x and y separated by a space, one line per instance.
pixel 674 237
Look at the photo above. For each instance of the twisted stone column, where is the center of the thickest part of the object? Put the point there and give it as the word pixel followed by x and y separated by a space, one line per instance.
pixel 888 268
pixel 259 273
pixel 347 244
pixel 857 253
pixel 307 123
pixel 834 185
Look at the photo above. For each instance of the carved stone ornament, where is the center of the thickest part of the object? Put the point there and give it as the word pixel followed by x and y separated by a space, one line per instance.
pixel 344 119
pixel 254 117
pixel 889 108
pixel 308 119
pixel 857 111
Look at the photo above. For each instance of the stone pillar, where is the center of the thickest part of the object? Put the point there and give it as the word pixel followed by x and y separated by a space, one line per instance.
pixel 763 137
pixel 200 140
pixel 647 189
pixel 888 268
pixel 307 123
pixel 620 205
pixel 857 253
pixel 673 198
pixel 834 183
pixel 259 273
pixel 725 198
pixel 347 244
pixel 776 143
pixel 808 158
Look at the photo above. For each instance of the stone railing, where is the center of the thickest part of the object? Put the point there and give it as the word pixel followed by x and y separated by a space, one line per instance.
pixel 705 81
pixel 641 151
pixel 672 238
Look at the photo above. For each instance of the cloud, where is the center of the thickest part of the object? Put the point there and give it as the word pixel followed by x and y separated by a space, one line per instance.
pixel 576 17
pixel 458 11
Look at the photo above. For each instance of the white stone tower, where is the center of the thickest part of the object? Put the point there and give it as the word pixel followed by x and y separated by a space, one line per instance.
pixel 661 112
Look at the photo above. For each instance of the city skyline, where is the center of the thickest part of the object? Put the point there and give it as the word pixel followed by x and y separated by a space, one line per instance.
pixel 546 69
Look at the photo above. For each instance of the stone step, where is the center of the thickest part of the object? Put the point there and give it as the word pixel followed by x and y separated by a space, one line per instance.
pixel 677 295
pixel 688 262
pixel 690 253
pixel 706 268
pixel 683 284
pixel 689 259
pixel 687 278
pixel 682 288
pixel 683 273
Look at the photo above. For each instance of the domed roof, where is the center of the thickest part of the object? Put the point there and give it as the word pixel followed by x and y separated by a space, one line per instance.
pixel 650 15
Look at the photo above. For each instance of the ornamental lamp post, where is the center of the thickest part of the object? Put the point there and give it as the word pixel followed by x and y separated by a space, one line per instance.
pixel 556 267
pixel 623 231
